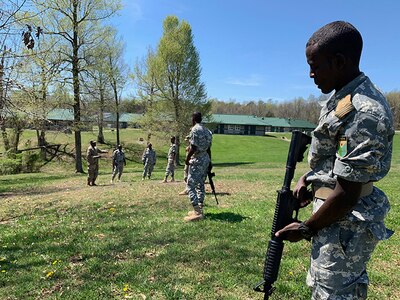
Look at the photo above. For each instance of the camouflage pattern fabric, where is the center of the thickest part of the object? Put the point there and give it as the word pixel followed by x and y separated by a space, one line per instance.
pixel 170 170
pixel 93 163
pixel 201 138
pixel 356 146
pixel 118 163
pixel 149 160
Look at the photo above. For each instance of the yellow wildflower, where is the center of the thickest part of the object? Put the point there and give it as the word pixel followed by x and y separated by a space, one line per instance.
pixel 49 274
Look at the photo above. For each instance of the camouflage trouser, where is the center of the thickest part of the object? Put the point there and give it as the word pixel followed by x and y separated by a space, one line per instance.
pixel 196 175
pixel 118 169
pixel 148 168
pixel 339 257
pixel 170 170
pixel 93 171
pixel 185 172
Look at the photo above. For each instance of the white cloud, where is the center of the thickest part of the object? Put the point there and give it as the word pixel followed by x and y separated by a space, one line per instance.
pixel 252 80
pixel 133 9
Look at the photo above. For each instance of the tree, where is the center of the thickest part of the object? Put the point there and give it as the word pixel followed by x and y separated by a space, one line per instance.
pixel 171 84
pixel 78 25
pixel 117 73
pixel 11 25
pixel 394 102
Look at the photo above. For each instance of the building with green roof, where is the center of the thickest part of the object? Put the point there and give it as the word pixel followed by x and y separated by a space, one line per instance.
pixel 218 123
pixel 252 125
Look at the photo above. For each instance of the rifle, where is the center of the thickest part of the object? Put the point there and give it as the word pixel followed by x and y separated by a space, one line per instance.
pixel 210 176
pixel 286 205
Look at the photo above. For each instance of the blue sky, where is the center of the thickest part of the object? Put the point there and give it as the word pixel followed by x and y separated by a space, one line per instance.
pixel 254 50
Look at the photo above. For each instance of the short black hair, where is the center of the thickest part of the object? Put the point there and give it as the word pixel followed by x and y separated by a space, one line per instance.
pixel 197 117
pixel 338 37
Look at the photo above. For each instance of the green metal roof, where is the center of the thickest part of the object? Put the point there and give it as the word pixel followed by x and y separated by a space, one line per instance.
pixel 253 120
pixel 235 120
pixel 68 115
pixel 130 117
pixel 61 114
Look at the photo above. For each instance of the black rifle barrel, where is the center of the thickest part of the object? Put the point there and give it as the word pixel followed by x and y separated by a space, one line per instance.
pixel 286 204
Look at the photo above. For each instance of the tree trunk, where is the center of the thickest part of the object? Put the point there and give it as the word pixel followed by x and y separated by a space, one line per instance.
pixel 116 109
pixel 100 135
pixel 6 141
pixel 41 140
pixel 77 105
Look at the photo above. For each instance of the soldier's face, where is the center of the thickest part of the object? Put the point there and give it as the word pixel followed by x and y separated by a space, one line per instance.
pixel 322 69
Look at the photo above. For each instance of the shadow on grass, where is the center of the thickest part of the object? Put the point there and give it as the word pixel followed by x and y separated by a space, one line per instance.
pixel 226 217
pixel 231 164
pixel 219 193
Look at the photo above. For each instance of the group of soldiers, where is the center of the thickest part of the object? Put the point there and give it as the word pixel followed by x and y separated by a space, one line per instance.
pixel 351 149
pixel 197 164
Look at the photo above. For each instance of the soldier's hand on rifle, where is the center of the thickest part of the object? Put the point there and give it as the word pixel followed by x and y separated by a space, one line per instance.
pixel 301 192
pixel 290 232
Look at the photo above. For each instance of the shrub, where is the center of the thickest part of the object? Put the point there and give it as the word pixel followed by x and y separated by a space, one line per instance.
pixel 10 166
pixel 30 161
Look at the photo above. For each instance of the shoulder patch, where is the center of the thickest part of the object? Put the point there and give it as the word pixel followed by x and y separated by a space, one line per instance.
pixel 343 107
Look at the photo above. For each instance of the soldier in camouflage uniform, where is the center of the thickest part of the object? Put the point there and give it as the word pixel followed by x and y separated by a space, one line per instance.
pixel 351 148
pixel 92 156
pixel 198 159
pixel 119 161
pixel 170 170
pixel 149 160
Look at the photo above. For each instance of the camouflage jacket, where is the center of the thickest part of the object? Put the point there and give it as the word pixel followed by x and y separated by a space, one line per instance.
pixel 353 141
pixel 200 137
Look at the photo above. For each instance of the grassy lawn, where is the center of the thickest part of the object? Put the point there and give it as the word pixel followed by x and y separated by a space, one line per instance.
pixel 61 239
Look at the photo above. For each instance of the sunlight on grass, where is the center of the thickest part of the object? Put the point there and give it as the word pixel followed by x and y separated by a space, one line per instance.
pixel 64 240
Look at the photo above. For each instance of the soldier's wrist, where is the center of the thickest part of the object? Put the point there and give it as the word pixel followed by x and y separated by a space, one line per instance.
pixel 306 231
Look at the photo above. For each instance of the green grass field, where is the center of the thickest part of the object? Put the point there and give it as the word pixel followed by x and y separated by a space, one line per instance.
pixel 61 239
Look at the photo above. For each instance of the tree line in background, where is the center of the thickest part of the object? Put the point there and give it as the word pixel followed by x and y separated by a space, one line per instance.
pixel 65 54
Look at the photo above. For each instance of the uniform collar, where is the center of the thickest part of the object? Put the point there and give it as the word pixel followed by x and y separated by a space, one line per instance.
pixel 347 89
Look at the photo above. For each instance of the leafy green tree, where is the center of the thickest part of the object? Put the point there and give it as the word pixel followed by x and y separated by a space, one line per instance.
pixel 117 73
pixel 169 82
pixel 78 25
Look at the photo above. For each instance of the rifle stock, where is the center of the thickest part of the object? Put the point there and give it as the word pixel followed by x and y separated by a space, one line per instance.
pixel 286 205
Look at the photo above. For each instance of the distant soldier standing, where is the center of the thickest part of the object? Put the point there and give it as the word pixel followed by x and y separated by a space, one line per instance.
pixel 170 170
pixel 199 161
pixel 149 160
pixel 93 156
pixel 119 161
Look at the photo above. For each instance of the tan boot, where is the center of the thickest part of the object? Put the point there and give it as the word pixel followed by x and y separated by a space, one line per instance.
pixel 195 215
pixel 193 212
pixel 185 192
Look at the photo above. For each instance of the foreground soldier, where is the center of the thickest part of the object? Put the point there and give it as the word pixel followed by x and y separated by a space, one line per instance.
pixel 149 160
pixel 119 161
pixel 351 148
pixel 198 160
pixel 93 156
pixel 170 170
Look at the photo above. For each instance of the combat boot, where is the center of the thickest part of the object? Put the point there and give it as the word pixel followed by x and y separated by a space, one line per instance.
pixel 192 212
pixel 196 216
